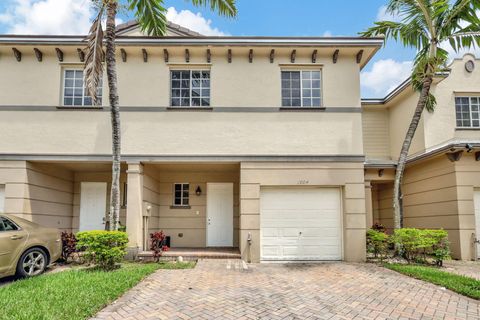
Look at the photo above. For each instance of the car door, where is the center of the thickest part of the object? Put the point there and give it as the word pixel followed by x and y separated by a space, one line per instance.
pixel 12 242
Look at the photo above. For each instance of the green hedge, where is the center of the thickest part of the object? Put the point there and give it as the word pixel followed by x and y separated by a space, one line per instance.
pixel 415 245
pixel 104 248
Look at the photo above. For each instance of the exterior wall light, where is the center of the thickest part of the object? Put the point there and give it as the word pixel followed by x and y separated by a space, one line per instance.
pixel 198 191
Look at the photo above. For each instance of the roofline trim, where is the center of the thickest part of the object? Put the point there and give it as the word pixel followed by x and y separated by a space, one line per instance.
pixel 203 40
pixel 397 90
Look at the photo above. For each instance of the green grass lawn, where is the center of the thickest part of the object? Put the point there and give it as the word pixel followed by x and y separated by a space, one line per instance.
pixel 461 284
pixel 73 294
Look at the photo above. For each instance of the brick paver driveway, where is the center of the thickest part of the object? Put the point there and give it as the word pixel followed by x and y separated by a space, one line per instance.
pixel 219 289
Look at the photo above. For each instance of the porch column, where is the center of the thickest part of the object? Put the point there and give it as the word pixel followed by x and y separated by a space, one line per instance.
pixel 368 204
pixel 134 208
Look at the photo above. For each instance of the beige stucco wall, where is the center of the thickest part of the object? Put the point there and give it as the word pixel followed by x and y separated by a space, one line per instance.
pixel 347 176
pixel 147 83
pixel 204 133
pixel 440 126
pixel 237 84
pixel 434 128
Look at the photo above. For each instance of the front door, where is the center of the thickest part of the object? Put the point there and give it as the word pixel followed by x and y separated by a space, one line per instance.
pixel 219 214
pixel 476 203
pixel 93 203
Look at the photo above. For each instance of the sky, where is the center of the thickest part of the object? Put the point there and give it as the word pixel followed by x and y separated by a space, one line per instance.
pixel 390 66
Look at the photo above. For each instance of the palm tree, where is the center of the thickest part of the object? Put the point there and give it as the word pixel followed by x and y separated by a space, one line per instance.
pixel 426 25
pixel 151 17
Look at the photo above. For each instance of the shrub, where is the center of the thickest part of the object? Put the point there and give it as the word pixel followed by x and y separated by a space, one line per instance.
pixel 417 244
pixel 377 243
pixel 104 248
pixel 69 245
pixel 157 244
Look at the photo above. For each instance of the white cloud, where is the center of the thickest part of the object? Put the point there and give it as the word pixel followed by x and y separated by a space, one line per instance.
pixel 385 75
pixel 327 33
pixel 383 15
pixel 47 16
pixel 193 21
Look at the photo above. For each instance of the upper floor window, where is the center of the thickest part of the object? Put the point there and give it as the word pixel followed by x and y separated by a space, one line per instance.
pixel 301 89
pixel 74 93
pixel 467 112
pixel 190 88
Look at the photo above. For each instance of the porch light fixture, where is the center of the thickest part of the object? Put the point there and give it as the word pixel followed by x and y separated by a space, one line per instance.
pixel 198 191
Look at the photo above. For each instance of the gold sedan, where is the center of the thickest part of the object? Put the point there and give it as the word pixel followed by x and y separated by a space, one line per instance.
pixel 26 248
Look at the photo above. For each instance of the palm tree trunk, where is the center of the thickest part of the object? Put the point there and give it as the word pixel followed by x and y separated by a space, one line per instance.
pixel 114 214
pixel 397 206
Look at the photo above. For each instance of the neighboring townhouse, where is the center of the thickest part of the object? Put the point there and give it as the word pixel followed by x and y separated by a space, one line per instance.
pixel 254 143
pixel 441 186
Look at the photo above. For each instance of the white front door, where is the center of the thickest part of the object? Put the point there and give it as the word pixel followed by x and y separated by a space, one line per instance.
pixel 476 203
pixel 93 203
pixel 300 224
pixel 219 214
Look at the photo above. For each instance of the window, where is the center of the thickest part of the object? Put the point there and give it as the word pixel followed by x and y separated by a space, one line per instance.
pixel 7 225
pixel 74 93
pixel 181 194
pixel 301 89
pixel 190 88
pixel 467 112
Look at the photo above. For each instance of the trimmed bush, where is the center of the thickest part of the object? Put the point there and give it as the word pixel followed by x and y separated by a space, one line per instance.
pixel 417 244
pixel 103 248
pixel 377 243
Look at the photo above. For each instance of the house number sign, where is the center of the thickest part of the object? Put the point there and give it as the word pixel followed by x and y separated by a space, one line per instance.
pixel 303 182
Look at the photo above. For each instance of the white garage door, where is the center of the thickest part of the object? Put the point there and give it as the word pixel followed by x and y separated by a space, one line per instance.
pixel 300 224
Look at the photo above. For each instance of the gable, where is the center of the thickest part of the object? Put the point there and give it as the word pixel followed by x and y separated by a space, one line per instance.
pixel 132 29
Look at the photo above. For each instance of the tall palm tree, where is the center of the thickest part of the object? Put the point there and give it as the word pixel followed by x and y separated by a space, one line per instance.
pixel 151 17
pixel 426 25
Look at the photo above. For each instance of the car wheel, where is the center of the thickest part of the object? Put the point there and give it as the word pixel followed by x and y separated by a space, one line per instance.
pixel 32 262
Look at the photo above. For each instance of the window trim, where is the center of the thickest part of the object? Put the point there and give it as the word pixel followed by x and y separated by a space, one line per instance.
pixel 181 197
pixel 62 88
pixel 189 69
pixel 471 127
pixel 301 69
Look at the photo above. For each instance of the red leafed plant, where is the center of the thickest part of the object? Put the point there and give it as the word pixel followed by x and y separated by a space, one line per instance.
pixel 157 244
pixel 69 245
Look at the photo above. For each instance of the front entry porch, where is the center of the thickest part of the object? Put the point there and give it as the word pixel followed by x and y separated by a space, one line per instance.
pixel 196 205
pixel 193 254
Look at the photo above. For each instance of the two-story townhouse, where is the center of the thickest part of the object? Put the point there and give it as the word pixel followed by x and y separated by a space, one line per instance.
pixel 441 186
pixel 248 142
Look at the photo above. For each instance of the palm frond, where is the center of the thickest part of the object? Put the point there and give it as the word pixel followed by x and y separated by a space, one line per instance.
pixel 223 7
pixel 151 16
pixel 93 58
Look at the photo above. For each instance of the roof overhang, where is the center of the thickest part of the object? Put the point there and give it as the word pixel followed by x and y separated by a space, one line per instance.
pixel 201 41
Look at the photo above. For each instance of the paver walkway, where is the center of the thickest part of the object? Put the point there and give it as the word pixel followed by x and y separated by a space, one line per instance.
pixel 220 289
pixel 466 268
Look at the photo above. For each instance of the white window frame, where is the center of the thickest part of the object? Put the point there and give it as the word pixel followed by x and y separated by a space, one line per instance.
pixel 301 88
pixel 64 76
pixel 181 194
pixel 470 112
pixel 191 95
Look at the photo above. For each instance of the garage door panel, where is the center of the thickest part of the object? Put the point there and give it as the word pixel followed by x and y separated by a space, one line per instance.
pixel 300 224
